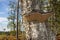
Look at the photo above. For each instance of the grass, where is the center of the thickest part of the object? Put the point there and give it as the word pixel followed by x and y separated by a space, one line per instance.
pixel 11 37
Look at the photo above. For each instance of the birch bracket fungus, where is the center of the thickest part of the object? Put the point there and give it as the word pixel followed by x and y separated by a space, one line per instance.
pixel 35 16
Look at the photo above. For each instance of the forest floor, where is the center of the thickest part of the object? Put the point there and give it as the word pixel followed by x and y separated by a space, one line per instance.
pixel 11 37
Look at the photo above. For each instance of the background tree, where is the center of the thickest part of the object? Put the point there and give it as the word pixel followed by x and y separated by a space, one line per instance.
pixel 12 16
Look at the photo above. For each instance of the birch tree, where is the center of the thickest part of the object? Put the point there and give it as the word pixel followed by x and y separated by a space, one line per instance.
pixel 36 30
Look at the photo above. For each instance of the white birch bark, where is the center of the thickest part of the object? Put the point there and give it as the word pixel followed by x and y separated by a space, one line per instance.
pixel 38 31
pixel 35 30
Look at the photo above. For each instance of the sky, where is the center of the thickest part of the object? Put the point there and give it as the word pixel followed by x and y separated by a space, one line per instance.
pixel 4 9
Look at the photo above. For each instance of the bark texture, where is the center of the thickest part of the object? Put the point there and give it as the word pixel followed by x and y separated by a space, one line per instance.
pixel 38 31
pixel 35 30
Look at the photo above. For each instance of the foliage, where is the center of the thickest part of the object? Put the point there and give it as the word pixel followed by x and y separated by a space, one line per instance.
pixel 12 16
pixel 56 17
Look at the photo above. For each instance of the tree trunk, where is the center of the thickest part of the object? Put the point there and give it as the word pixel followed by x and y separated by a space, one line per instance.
pixel 38 31
pixel 35 30
pixel 14 26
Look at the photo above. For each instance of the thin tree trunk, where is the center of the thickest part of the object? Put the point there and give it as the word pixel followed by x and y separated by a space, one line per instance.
pixel 13 26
